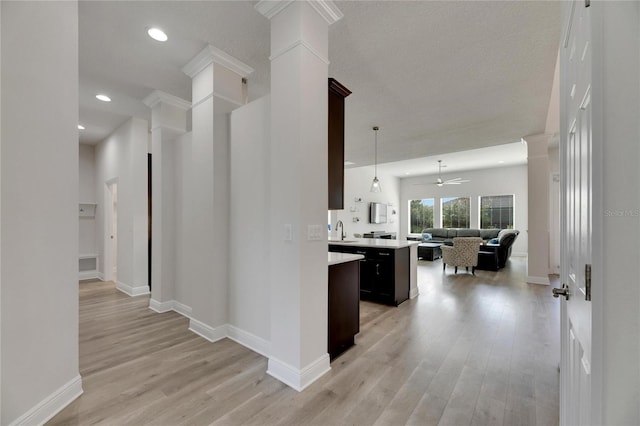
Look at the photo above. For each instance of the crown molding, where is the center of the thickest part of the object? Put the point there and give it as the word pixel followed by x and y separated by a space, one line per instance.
pixel 158 96
pixel 325 8
pixel 270 8
pixel 210 55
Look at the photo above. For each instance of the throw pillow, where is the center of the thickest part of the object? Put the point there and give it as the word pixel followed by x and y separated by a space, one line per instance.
pixel 493 241
pixel 426 237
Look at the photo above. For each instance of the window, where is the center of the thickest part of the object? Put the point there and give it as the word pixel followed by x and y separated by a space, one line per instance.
pixel 496 212
pixel 420 215
pixel 455 212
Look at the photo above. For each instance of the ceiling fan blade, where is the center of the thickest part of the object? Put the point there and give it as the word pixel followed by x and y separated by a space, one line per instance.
pixel 426 183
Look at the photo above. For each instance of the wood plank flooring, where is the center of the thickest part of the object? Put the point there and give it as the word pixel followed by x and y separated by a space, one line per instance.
pixel 480 350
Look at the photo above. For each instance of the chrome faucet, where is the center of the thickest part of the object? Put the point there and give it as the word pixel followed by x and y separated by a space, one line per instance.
pixel 341 225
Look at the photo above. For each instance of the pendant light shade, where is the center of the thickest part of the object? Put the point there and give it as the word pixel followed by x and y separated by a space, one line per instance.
pixel 375 185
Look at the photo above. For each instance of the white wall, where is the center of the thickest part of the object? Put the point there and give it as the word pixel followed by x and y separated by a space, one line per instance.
pixel 123 157
pixel 615 364
pixel 0 220
pixel 87 194
pixel 496 181
pixel 39 225
pixel 249 309
pixel 86 173
pixel 357 184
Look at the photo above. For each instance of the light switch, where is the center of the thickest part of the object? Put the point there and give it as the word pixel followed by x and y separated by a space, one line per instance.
pixel 288 232
pixel 314 232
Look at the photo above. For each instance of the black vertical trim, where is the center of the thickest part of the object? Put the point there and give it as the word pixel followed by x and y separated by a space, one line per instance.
pixel 149 215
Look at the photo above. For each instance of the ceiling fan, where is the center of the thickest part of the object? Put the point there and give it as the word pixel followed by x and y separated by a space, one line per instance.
pixel 440 182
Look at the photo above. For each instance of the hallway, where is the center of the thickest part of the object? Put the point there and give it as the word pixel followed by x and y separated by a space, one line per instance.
pixel 468 350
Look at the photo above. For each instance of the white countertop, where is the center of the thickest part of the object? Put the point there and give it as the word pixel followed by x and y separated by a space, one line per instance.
pixel 374 242
pixel 336 258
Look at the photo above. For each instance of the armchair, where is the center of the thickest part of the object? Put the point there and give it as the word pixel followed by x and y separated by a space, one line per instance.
pixel 464 252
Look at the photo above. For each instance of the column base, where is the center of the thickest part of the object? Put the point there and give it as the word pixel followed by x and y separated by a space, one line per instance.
pixel 296 378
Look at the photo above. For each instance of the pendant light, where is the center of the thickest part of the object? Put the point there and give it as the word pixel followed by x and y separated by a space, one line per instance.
pixel 375 185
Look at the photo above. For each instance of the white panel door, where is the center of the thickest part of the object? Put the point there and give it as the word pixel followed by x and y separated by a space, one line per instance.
pixel 576 154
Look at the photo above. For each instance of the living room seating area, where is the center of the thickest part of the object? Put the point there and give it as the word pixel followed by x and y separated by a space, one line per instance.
pixel 493 253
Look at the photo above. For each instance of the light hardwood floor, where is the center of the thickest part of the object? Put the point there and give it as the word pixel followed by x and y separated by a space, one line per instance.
pixel 468 350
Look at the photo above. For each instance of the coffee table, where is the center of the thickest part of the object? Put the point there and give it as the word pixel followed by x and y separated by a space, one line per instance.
pixel 429 251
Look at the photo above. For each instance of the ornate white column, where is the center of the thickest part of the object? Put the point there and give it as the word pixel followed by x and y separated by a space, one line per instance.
pixel 299 274
pixel 538 210
pixel 218 87
pixel 168 122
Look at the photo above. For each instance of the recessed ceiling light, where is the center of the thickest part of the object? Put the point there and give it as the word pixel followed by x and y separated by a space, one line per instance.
pixel 407 173
pixel 80 127
pixel 157 34
pixel 103 98
pixel 501 162
pixel 349 163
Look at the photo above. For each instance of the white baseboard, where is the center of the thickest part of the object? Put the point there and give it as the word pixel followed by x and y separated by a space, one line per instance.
pixel 210 333
pixel 182 309
pixel 295 378
pixel 413 293
pixel 132 291
pixel 538 280
pixel 171 305
pixel 51 405
pixel 160 307
pixel 88 275
pixel 248 340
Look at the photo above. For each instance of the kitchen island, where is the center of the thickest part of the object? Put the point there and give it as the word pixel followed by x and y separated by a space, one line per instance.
pixel 388 272
pixel 344 302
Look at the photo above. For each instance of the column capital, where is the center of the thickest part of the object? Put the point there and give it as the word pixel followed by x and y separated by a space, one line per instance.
pixel 325 8
pixel 158 96
pixel 538 144
pixel 210 55
pixel 168 112
pixel 538 138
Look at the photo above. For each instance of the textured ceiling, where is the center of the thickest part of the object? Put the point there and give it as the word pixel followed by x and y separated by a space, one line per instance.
pixel 437 77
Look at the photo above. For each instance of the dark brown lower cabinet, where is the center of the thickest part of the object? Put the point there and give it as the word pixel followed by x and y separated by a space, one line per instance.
pixel 384 273
pixel 344 306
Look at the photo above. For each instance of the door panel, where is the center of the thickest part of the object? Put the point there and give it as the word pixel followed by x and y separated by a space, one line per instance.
pixel 367 278
pixel 384 279
pixel 576 152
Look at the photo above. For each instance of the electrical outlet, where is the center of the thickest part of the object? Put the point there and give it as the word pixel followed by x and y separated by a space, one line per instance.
pixel 288 232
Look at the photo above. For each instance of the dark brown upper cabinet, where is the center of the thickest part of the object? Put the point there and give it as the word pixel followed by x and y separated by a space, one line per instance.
pixel 337 93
